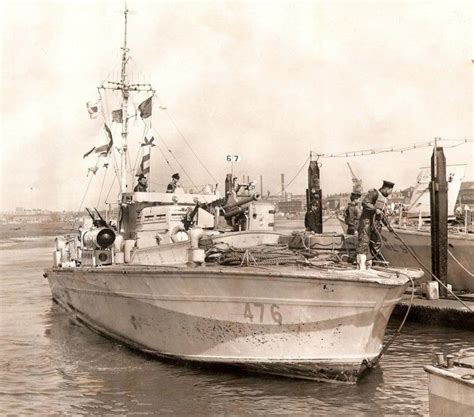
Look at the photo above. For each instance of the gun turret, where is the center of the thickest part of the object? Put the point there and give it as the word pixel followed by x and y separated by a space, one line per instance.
pixel 235 207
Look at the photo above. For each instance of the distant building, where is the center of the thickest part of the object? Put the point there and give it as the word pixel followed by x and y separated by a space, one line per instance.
pixel 402 197
pixel 290 207
pixel 289 203
pixel 466 195
pixel 336 201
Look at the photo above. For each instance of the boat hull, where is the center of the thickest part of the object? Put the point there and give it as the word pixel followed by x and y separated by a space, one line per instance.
pixel 460 259
pixel 449 393
pixel 314 325
pixel 461 248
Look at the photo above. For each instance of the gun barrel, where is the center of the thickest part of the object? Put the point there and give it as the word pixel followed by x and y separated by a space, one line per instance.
pixel 245 200
pixel 234 208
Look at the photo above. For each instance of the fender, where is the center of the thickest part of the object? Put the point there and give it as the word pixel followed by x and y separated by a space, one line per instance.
pixel 177 234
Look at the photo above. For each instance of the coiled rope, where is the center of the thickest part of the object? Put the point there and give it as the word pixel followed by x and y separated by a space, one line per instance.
pixel 258 255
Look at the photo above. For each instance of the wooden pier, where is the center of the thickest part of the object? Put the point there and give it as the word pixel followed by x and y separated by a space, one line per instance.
pixel 445 311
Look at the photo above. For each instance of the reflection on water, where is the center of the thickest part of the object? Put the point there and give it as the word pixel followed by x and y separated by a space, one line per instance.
pixel 53 365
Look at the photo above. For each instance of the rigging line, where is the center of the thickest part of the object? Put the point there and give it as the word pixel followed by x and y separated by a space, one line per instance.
pixel 116 168
pixel 101 101
pixel 127 158
pixel 164 157
pixel 412 253
pixel 105 107
pixel 185 140
pixel 103 181
pixel 117 171
pixel 365 152
pixel 455 145
pixel 110 189
pixel 298 173
pixel 401 148
pixel 140 153
pixel 114 67
pixel 174 157
pixel 465 140
pixel 82 202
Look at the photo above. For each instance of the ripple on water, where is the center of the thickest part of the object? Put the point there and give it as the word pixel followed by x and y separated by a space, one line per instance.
pixel 50 363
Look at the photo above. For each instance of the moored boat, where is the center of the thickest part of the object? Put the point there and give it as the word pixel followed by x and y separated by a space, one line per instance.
pixel 451 384
pixel 460 254
pixel 417 235
pixel 207 279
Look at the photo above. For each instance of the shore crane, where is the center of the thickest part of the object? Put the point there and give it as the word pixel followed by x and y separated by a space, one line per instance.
pixel 356 182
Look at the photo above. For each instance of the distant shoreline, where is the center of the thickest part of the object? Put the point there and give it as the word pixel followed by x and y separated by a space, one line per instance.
pixel 25 230
pixel 29 235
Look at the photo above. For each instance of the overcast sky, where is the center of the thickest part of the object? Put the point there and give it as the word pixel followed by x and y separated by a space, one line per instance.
pixel 269 81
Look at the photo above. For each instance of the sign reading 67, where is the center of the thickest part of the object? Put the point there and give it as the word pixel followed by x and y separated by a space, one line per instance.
pixel 232 158
pixel 258 311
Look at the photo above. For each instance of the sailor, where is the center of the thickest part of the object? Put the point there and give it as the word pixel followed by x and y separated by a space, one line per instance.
pixel 142 185
pixel 352 213
pixel 311 218
pixel 173 184
pixel 374 207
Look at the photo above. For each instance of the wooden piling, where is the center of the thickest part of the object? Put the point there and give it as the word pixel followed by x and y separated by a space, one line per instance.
pixel 314 194
pixel 439 217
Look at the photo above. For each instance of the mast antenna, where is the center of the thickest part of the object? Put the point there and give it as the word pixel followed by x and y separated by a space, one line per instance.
pixel 125 94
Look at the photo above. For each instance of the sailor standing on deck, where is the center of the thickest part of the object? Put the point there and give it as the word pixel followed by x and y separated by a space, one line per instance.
pixel 142 185
pixel 311 218
pixel 352 213
pixel 173 184
pixel 374 206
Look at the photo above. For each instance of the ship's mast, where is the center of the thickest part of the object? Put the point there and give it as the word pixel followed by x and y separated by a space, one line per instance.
pixel 125 87
pixel 125 94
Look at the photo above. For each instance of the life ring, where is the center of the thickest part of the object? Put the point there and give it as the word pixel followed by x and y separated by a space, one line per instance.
pixel 179 234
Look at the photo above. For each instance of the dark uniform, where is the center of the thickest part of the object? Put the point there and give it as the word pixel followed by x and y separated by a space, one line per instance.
pixel 171 187
pixel 352 214
pixel 173 184
pixel 142 186
pixel 370 223
pixel 311 221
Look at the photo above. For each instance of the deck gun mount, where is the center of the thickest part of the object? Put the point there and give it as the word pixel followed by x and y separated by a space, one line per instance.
pixel 247 211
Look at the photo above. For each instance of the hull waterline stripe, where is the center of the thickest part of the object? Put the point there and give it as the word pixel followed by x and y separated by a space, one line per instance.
pixel 194 298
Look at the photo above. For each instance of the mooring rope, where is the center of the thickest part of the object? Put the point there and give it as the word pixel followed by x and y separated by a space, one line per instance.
pixel 412 253
pixel 371 363
pixel 460 264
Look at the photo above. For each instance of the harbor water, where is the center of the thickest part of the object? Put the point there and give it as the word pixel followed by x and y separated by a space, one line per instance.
pixel 52 365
